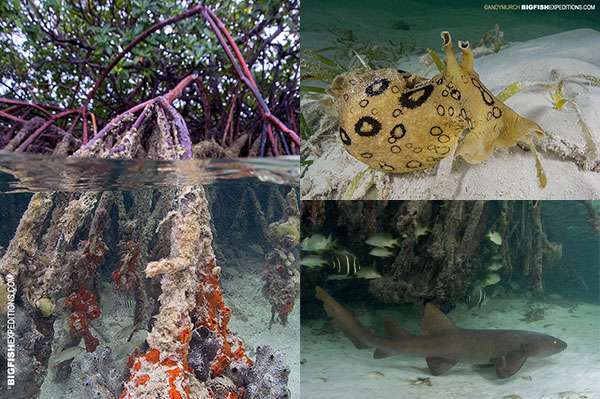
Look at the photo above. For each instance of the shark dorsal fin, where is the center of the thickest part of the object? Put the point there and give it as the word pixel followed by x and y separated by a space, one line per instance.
pixel 435 322
pixel 393 329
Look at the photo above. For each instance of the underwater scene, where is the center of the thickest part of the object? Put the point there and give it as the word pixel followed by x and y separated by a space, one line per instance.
pixel 450 299
pixel 449 100
pixel 169 286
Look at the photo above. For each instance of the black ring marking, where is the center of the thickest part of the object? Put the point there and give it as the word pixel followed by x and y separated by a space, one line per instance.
pixel 397 112
pixel 455 94
pixel 377 87
pixel 366 155
pixel 398 131
pixel 445 93
pixel 386 167
pixel 409 145
pixel 450 85
pixel 496 112
pixel 392 140
pixel 346 97
pixel 442 150
pixel 417 150
pixel 345 138
pixel 395 149
pixel 436 131
pixel 440 80
pixel 440 110
pixel 413 163
pixel 485 95
pixel 374 111
pixel 463 113
pixel 444 138
pixel 373 124
pixel 353 82
pixel 363 103
pixel 395 89
pixel 415 98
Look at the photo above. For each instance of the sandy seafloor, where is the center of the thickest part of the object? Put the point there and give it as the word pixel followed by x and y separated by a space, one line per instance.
pixel 241 282
pixel 508 174
pixel 333 369
pixel 251 314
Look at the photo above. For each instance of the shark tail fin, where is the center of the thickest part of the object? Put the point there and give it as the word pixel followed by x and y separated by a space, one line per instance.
pixel 345 320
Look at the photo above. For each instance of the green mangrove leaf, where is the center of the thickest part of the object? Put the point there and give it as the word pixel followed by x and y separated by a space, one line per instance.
pixel 509 91
pixel 436 58
pixel 354 184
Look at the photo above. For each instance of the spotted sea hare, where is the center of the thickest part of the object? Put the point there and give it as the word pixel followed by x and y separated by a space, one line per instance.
pixel 398 122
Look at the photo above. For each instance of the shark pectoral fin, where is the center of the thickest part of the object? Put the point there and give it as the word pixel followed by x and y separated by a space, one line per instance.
pixel 435 322
pixel 439 365
pixel 509 364
pixel 381 354
pixel 393 329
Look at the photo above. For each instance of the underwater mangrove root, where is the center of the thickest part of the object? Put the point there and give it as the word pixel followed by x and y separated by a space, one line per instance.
pixel 593 216
pixel 191 350
pixel 443 251
pixel 313 212
pixel 31 127
pixel 281 275
pixel 85 308
pixel 67 237
pixel 245 211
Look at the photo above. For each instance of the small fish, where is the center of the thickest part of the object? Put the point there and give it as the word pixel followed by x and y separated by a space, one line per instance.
pixel 345 263
pixel 368 273
pixel 495 266
pixel 381 252
pixel 421 231
pixel 316 243
pixel 494 237
pixel 382 240
pixel 123 306
pixel 477 297
pixel 490 279
pixel 313 261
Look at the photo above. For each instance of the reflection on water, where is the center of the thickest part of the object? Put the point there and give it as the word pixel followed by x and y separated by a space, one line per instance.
pixel 31 172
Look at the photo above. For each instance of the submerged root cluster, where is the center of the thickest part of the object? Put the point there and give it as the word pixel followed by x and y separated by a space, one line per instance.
pixel 70 248
pixel 445 248
pixel 281 276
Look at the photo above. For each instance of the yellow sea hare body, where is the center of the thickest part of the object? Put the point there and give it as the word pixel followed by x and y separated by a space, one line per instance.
pixel 398 122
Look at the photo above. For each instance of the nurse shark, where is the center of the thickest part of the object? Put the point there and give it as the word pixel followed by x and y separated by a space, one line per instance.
pixel 443 344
